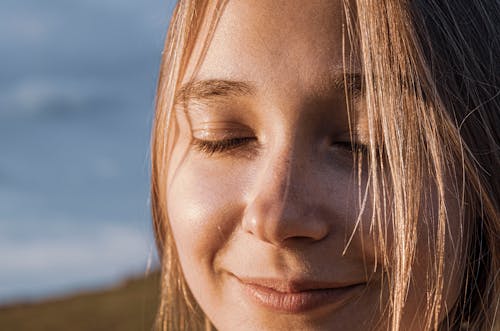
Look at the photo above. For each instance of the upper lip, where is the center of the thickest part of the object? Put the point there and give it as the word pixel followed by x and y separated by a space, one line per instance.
pixel 295 285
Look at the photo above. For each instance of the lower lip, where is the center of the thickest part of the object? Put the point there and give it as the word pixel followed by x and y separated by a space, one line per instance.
pixel 303 301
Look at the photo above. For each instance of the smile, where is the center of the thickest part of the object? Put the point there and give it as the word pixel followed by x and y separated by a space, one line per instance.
pixel 298 297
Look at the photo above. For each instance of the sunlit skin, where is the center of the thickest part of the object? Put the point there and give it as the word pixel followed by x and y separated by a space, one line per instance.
pixel 271 200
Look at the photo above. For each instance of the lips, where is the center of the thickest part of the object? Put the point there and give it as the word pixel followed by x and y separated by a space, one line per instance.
pixel 298 296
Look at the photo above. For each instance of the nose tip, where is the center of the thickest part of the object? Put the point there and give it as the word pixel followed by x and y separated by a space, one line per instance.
pixel 280 219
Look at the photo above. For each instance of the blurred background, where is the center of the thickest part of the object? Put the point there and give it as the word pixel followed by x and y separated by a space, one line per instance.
pixel 77 88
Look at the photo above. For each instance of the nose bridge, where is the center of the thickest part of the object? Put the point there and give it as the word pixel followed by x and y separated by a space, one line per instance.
pixel 279 208
pixel 274 185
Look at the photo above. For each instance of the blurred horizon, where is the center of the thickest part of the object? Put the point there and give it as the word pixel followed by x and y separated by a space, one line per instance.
pixel 76 104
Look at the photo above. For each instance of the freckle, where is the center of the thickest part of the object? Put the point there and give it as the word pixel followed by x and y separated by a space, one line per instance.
pixel 220 231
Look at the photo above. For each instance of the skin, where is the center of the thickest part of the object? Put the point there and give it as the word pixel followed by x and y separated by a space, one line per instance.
pixel 283 202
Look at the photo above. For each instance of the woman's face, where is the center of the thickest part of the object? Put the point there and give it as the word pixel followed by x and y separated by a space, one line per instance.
pixel 263 200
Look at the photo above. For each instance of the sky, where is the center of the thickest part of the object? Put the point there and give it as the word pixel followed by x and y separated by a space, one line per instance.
pixel 77 88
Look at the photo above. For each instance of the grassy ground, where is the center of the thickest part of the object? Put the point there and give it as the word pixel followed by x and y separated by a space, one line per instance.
pixel 130 306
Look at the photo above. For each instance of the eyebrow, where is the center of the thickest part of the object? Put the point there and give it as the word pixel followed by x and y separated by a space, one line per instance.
pixel 348 82
pixel 206 90
pixel 212 89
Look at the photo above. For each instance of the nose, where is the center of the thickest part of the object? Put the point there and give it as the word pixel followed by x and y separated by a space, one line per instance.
pixel 285 206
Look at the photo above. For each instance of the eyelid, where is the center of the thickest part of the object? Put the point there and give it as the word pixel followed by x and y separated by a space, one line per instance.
pixel 220 131
pixel 219 135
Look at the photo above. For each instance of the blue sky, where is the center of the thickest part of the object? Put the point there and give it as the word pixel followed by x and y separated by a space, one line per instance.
pixel 76 103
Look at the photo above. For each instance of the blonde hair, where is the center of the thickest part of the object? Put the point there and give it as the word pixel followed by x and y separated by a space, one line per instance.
pixel 432 91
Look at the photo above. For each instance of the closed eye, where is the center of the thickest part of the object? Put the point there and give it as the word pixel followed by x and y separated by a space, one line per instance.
pixel 352 146
pixel 211 147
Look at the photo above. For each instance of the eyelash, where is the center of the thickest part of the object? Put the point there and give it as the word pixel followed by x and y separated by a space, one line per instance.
pixel 353 147
pixel 211 147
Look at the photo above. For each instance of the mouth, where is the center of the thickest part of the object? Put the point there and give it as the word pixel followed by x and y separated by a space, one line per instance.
pixel 298 296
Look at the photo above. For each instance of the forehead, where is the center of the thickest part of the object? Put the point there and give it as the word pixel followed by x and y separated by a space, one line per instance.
pixel 293 44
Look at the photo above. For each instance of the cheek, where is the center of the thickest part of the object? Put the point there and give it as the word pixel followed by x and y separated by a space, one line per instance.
pixel 204 206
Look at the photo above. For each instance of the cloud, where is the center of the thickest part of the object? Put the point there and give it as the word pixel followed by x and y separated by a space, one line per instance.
pixel 29 28
pixel 83 37
pixel 38 266
pixel 35 96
